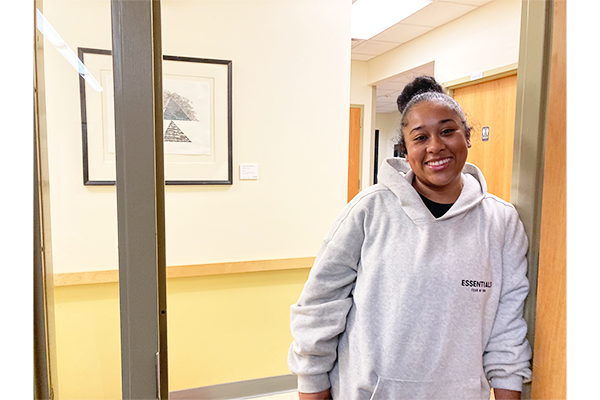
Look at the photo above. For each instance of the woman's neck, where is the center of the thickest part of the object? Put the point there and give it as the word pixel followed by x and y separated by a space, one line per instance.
pixel 444 195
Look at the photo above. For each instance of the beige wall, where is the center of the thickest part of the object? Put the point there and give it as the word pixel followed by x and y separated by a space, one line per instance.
pixel 481 40
pixel 362 94
pixel 291 77
pixel 387 123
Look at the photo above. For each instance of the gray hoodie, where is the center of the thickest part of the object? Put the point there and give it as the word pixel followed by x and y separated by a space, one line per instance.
pixel 401 305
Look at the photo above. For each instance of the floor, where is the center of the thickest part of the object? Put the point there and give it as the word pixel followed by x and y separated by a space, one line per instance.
pixel 293 395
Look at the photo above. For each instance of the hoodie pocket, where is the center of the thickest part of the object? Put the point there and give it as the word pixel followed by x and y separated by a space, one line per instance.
pixel 398 389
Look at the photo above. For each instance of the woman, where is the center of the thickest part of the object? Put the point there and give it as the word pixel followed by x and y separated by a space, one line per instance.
pixel 417 291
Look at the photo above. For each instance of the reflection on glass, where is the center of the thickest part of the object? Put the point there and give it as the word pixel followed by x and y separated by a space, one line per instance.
pixel 50 33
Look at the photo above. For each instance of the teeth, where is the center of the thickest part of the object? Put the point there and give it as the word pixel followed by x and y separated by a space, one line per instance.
pixel 444 161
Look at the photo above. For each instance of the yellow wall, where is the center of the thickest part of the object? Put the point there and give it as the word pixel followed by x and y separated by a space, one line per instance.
pixel 221 328
pixel 88 341
pixel 225 329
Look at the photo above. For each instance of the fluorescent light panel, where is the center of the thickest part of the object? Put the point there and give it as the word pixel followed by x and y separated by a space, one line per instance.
pixel 371 17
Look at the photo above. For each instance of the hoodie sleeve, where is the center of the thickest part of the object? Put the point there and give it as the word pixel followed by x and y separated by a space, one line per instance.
pixel 319 316
pixel 507 354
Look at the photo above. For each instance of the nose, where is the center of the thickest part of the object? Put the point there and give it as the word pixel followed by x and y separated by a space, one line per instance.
pixel 435 144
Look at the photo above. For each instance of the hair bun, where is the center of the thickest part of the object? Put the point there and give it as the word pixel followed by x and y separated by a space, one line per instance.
pixel 421 84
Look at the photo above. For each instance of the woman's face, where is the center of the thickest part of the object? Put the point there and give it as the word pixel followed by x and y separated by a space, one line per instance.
pixel 436 148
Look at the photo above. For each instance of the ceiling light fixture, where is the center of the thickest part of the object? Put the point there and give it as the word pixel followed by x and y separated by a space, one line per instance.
pixel 370 17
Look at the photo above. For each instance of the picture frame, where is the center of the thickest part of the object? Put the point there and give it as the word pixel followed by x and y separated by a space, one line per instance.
pixel 197 123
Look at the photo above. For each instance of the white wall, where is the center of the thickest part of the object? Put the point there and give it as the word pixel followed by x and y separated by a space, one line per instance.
pixel 291 85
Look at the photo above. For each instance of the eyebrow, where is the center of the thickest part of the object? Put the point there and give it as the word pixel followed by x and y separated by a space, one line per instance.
pixel 443 121
pixel 415 129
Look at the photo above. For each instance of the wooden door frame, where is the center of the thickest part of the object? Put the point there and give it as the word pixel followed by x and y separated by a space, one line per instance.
pixel 550 362
pixel 360 160
pixel 488 75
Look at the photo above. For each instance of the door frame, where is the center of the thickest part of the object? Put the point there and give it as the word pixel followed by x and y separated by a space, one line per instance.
pixel 140 188
pixel 360 160
pixel 488 75
pixel 140 208
pixel 44 338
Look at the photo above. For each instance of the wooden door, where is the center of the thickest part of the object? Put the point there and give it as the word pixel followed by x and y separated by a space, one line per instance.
pixel 490 106
pixel 354 153
pixel 550 349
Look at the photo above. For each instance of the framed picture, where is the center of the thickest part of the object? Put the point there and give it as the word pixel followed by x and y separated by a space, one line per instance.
pixel 197 120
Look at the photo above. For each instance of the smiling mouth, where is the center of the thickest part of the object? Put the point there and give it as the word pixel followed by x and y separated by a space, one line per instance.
pixel 438 163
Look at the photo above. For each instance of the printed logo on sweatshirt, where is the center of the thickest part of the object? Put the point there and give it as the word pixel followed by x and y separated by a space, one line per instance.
pixel 476 286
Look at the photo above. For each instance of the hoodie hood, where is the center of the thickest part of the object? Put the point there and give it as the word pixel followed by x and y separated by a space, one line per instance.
pixel 396 175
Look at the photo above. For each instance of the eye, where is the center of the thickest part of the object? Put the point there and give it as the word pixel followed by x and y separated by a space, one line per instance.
pixel 419 138
pixel 447 131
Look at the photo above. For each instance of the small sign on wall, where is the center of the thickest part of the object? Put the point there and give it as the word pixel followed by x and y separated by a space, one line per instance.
pixel 248 171
pixel 485 133
pixel 476 75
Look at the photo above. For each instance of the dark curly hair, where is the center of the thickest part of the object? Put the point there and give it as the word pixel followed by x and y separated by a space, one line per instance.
pixel 420 89
pixel 420 84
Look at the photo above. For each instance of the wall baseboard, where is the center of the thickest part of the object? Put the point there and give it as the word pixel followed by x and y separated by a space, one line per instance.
pixel 185 271
pixel 239 390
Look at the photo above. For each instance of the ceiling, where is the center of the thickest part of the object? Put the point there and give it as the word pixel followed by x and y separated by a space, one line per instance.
pixel 436 14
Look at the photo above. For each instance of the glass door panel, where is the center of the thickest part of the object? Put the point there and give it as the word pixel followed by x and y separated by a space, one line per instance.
pixel 82 203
